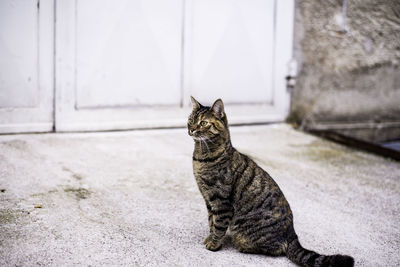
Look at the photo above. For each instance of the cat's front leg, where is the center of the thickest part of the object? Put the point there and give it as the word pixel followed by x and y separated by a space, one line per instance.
pixel 210 223
pixel 222 213
pixel 210 217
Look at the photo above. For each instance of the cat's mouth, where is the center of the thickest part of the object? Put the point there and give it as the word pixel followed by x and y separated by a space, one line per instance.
pixel 196 135
pixel 199 138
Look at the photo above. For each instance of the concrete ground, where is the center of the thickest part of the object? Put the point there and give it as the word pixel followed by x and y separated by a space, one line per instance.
pixel 129 198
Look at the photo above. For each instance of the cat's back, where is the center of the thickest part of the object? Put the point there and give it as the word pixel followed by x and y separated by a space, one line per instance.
pixel 245 168
pixel 254 187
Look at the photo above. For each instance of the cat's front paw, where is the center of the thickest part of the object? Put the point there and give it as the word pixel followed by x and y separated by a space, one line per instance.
pixel 208 239
pixel 211 244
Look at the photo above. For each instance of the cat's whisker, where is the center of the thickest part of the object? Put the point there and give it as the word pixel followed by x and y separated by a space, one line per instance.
pixel 208 139
pixel 204 140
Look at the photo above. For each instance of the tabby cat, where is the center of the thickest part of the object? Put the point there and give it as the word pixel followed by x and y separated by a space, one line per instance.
pixel 242 196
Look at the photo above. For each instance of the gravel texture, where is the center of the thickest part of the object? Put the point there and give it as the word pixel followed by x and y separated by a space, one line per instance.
pixel 130 198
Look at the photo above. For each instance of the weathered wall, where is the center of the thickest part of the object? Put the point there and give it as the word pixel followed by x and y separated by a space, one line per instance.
pixel 349 67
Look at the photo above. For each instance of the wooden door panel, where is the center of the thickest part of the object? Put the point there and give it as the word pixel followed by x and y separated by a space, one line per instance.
pixel 231 50
pixel 117 62
pixel 128 53
pixel 18 53
pixel 26 62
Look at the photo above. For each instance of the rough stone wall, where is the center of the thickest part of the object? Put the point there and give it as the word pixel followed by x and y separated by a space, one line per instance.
pixel 349 67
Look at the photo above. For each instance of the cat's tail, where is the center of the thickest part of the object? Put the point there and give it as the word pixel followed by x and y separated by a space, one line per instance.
pixel 304 257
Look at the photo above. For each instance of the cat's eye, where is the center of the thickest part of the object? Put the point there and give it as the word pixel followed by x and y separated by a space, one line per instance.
pixel 190 121
pixel 203 123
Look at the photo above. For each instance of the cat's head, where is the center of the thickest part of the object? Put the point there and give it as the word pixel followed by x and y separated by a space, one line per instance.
pixel 205 123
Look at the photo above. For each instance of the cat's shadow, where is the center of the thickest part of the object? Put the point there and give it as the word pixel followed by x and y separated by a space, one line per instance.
pixel 227 243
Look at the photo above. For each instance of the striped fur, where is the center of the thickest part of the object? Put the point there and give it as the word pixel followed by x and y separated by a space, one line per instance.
pixel 241 196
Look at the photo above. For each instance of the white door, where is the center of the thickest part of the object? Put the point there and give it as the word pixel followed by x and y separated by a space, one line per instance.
pixel 124 64
pixel 239 50
pixel 230 50
pixel 26 66
pixel 132 64
pixel 117 62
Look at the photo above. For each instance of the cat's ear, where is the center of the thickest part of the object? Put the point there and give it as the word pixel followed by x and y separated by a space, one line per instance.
pixel 196 105
pixel 218 108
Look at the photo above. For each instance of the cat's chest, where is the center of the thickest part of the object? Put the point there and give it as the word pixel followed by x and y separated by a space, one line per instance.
pixel 201 169
pixel 210 176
